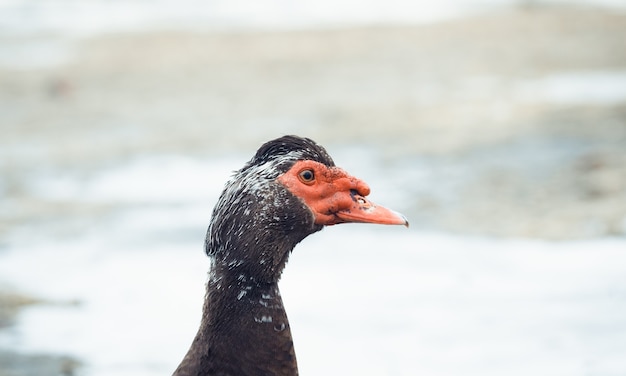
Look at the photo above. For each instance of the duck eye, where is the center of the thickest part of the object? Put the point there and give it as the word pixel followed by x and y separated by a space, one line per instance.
pixel 306 176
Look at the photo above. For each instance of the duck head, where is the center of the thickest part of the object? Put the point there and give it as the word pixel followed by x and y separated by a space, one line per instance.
pixel 290 189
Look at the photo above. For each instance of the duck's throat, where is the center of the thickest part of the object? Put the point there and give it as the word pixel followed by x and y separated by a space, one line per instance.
pixel 244 330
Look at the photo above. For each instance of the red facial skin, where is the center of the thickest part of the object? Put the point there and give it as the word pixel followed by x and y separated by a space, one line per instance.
pixel 334 196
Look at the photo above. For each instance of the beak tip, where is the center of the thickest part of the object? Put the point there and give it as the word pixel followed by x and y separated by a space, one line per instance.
pixel 404 220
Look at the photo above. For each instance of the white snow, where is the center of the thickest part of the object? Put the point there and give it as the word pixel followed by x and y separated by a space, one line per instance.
pixel 578 87
pixel 155 179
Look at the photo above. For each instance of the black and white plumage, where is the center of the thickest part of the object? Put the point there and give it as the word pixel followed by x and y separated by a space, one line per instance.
pixel 290 189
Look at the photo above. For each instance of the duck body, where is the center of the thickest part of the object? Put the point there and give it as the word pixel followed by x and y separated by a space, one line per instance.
pixel 233 327
pixel 287 191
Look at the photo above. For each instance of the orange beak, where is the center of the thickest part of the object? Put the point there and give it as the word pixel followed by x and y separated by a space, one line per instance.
pixel 365 211
pixel 335 197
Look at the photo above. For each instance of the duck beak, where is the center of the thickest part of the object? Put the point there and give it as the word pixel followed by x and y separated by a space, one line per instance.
pixel 365 211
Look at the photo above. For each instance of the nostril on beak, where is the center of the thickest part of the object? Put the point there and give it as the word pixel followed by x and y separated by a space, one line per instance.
pixel 359 199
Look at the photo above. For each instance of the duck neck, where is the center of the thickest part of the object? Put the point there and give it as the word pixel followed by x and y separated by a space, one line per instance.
pixel 244 328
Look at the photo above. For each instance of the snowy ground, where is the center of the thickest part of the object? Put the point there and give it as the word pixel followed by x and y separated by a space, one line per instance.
pixel 363 300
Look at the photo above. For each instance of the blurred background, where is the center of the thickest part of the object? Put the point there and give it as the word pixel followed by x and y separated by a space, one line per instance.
pixel 498 127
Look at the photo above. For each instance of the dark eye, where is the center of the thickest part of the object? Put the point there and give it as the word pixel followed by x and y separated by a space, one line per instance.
pixel 306 176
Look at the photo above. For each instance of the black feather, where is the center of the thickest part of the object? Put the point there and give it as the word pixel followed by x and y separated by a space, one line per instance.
pixel 292 148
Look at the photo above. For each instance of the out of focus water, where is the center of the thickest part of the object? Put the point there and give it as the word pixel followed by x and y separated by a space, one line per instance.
pixel 52 22
pixel 84 18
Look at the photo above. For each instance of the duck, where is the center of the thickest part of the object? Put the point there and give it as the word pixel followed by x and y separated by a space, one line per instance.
pixel 290 189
